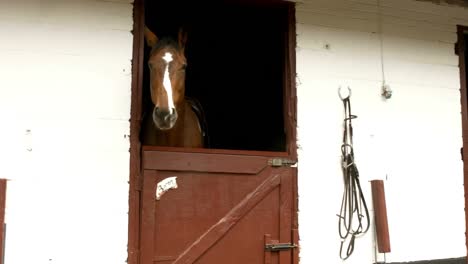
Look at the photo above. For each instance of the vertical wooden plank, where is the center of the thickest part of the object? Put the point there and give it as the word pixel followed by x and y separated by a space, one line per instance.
pixel 290 101
pixel 3 186
pixel 286 212
pixel 267 259
pixel 148 199
pixel 291 131
pixel 380 212
pixel 295 221
pixel 460 48
pixel 135 121
pixel 295 240
pixel 291 127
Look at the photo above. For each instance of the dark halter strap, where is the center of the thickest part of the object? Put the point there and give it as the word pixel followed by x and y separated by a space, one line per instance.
pixel 199 112
pixel 354 215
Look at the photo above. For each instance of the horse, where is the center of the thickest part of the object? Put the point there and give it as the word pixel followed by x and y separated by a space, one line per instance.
pixel 173 121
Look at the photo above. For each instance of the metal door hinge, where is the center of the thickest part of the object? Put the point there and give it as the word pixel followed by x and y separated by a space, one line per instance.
pixel 280 162
pixel 462 156
pixel 279 246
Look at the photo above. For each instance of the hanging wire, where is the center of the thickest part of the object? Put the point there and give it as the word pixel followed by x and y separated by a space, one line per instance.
pixel 386 91
pixel 379 8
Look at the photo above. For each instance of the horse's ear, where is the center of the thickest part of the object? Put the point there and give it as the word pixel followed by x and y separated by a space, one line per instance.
pixel 182 38
pixel 151 38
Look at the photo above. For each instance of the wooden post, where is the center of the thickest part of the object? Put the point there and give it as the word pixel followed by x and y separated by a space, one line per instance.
pixel 3 186
pixel 380 215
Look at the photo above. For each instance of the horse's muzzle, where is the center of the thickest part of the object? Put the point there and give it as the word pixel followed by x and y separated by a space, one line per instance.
pixel 164 119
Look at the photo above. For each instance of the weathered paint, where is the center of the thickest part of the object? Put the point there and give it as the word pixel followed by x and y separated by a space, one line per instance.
pixel 411 141
pixel 65 104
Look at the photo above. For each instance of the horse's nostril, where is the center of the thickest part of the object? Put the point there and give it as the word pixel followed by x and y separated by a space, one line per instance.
pixel 157 111
pixel 164 114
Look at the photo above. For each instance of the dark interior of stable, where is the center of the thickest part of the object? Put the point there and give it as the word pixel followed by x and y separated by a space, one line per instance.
pixel 236 67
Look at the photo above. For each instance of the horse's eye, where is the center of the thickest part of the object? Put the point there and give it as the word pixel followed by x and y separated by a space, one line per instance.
pixel 184 66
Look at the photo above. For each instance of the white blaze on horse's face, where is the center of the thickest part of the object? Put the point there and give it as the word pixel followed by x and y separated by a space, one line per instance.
pixel 163 119
pixel 167 81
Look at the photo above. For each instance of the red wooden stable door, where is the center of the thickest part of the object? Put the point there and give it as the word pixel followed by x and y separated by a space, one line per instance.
pixel 227 208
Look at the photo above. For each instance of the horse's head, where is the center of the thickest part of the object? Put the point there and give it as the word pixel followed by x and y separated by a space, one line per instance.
pixel 167 65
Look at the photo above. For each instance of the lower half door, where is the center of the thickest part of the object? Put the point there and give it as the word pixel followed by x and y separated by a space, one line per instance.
pixel 216 208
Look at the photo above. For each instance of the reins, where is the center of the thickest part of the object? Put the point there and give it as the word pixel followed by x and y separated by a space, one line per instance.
pixel 351 223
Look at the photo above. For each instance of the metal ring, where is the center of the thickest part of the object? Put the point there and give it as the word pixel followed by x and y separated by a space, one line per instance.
pixel 341 97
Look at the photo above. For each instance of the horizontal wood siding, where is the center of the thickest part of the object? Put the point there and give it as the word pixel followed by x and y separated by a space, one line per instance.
pixel 65 89
pixel 412 141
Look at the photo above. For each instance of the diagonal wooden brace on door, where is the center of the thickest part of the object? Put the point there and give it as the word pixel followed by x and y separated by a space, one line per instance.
pixel 217 231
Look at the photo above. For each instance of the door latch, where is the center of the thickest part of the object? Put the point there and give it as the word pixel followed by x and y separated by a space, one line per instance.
pixel 279 246
pixel 280 162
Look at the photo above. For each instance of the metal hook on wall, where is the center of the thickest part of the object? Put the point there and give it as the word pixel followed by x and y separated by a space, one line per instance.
pixel 341 96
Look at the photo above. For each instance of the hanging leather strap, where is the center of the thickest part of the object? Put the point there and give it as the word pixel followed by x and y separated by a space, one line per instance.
pixel 354 215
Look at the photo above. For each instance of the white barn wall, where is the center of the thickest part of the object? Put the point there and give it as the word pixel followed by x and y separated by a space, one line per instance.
pixel 412 140
pixel 65 75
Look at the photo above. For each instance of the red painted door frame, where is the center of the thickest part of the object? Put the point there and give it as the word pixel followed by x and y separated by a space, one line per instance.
pixel 460 50
pixel 135 179
pixel 135 124
pixel 3 187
